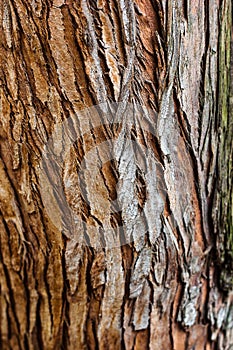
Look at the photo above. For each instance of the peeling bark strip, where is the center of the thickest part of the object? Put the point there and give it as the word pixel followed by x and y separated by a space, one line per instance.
pixel 163 280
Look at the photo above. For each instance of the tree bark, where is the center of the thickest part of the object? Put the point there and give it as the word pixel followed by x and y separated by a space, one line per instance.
pixel 116 174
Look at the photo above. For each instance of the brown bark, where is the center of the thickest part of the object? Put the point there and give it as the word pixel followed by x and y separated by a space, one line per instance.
pixel 155 272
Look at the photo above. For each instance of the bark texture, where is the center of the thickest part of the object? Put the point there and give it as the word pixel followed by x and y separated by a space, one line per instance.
pixel 170 286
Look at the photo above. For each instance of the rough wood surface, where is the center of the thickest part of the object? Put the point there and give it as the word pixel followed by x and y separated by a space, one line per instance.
pixel 62 286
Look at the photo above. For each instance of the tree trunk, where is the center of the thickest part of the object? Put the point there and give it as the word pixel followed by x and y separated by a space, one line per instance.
pixel 115 175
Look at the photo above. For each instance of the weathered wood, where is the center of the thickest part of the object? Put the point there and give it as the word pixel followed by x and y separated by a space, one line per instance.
pixel 116 220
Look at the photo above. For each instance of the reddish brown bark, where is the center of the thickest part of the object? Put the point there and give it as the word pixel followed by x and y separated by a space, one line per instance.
pixel 169 181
